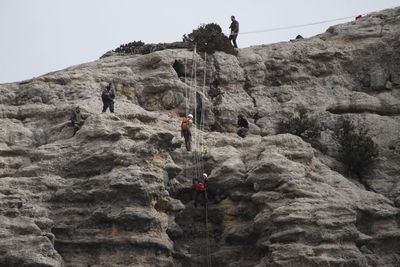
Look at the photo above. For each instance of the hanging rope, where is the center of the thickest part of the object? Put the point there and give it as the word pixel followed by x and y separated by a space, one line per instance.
pixel 202 144
pixel 207 240
pixel 195 103
pixel 186 90
pixel 198 137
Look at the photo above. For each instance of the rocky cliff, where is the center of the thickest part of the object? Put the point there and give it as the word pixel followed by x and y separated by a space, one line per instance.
pixel 118 193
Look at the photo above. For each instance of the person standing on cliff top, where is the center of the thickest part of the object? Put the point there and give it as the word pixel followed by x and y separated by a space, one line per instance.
pixel 234 31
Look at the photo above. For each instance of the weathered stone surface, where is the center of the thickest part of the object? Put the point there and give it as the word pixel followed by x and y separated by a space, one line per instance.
pixel 119 192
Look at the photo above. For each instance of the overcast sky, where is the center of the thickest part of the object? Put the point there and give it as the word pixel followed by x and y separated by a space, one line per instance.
pixel 39 36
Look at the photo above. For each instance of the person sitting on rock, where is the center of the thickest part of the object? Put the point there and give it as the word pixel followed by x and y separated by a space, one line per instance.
pixel 77 119
pixel 186 133
pixel 214 91
pixel 200 189
pixel 107 96
pixel 243 126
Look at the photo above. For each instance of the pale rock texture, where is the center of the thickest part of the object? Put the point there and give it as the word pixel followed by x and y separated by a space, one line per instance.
pixel 119 193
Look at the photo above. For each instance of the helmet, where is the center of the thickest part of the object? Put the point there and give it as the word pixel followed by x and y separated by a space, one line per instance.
pixel 190 116
pixel 205 175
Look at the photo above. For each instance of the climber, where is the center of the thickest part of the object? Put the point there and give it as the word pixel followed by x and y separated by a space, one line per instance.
pixel 203 149
pixel 243 126
pixel 200 189
pixel 107 96
pixel 234 31
pixel 214 91
pixel 77 119
pixel 186 133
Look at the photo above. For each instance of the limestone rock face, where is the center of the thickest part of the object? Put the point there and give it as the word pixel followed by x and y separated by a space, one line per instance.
pixel 119 192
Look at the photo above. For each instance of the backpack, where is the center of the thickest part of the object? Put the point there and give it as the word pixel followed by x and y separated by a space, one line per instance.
pixel 184 125
pixel 200 187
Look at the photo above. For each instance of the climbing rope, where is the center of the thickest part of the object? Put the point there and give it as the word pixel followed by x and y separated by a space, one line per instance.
pixel 202 113
pixel 207 239
pixel 195 103
pixel 302 25
pixel 198 136
pixel 297 26
pixel 186 90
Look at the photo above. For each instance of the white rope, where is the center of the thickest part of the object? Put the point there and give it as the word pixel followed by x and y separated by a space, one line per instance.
pixel 207 239
pixel 202 106
pixel 191 81
pixel 186 91
pixel 195 101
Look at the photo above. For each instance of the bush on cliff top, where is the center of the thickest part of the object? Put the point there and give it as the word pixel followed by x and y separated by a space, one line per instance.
pixel 209 38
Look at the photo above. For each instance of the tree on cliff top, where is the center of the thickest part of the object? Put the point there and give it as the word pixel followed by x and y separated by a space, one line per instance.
pixel 209 38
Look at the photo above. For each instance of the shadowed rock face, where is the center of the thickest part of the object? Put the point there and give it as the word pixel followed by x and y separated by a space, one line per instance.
pixel 119 193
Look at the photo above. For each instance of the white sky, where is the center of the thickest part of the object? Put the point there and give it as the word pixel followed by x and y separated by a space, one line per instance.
pixel 39 36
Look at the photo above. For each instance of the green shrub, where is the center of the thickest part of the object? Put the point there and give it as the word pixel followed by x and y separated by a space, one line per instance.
pixel 357 150
pixel 130 48
pixel 308 128
pixel 209 38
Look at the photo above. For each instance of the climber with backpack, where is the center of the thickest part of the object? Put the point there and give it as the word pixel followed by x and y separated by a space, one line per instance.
pixel 200 189
pixel 186 133
pixel 107 96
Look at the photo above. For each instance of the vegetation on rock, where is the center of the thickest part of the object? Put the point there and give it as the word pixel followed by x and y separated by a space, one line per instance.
pixel 209 38
pixel 357 150
pixel 303 125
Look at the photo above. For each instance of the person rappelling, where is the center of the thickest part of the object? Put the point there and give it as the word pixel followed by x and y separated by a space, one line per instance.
pixel 186 133
pixel 215 92
pixel 200 189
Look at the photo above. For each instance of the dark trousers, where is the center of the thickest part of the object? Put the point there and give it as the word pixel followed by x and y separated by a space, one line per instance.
pixel 232 38
pixel 188 139
pixel 108 104
pixel 198 194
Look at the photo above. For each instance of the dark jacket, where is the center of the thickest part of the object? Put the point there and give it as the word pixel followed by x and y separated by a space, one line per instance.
pixel 234 27
pixel 242 123
pixel 108 93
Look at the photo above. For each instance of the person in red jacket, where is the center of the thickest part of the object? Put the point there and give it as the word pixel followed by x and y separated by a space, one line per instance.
pixel 200 189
